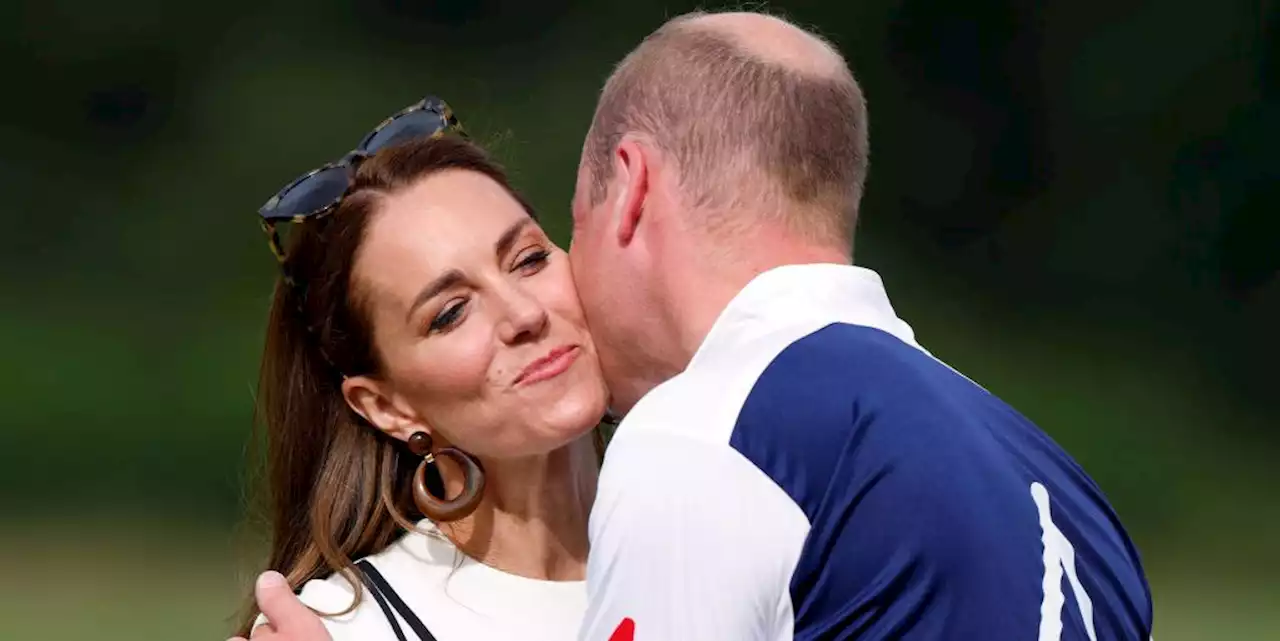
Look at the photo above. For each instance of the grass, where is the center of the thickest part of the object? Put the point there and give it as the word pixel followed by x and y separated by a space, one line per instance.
pixel 113 579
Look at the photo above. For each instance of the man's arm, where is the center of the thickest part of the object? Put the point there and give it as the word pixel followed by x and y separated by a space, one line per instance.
pixel 689 541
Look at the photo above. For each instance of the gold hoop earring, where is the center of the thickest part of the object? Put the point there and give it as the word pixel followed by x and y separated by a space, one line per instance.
pixel 445 510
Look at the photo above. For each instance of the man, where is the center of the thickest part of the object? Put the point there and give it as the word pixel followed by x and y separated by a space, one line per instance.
pixel 793 464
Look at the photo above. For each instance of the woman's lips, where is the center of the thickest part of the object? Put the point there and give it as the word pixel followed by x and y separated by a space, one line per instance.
pixel 550 366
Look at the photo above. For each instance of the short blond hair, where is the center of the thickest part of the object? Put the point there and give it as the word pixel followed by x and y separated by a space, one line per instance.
pixel 729 117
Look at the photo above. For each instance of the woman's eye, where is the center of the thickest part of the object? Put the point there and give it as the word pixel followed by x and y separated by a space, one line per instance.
pixel 447 318
pixel 533 259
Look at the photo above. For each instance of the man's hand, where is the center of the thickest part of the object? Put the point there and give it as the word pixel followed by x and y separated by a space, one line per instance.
pixel 287 618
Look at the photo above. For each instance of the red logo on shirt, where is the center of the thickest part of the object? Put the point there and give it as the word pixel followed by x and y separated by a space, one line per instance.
pixel 626 631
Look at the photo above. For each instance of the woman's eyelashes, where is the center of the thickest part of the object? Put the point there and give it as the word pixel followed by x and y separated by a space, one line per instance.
pixel 532 261
pixel 529 262
pixel 447 317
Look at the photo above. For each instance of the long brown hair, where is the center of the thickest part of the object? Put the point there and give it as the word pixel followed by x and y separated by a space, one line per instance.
pixel 337 488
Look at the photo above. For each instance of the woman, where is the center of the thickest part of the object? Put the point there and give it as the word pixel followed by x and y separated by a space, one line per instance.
pixel 425 341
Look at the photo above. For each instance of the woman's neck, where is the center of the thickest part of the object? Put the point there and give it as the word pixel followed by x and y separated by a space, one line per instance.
pixel 532 521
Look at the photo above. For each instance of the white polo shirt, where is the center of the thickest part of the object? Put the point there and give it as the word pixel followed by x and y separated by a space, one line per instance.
pixel 815 474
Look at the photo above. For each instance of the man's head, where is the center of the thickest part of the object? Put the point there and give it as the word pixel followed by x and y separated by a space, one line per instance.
pixel 724 145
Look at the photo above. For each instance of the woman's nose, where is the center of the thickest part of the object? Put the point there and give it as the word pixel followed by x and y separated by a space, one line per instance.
pixel 525 318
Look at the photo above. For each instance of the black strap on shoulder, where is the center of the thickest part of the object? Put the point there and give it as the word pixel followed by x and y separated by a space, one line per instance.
pixel 381 590
pixel 382 601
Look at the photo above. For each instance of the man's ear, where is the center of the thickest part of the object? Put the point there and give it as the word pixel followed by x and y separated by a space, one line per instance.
pixel 372 400
pixel 631 170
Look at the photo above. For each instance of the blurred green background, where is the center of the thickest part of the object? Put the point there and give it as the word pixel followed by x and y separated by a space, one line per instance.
pixel 1073 202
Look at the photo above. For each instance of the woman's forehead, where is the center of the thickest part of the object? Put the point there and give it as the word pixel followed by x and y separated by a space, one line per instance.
pixel 450 220
pixel 451 198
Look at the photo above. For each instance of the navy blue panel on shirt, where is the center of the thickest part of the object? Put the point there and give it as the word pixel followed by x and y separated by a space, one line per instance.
pixel 917 485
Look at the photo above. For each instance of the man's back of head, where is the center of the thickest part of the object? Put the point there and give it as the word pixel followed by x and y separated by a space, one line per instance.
pixel 763 118
pixel 724 145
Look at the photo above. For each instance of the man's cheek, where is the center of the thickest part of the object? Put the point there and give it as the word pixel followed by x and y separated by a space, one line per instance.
pixel 575 262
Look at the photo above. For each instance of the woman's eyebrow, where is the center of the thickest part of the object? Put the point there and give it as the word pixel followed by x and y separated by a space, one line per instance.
pixel 433 289
pixel 453 276
pixel 508 237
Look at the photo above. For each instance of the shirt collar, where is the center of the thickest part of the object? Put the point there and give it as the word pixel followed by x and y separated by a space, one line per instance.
pixel 813 295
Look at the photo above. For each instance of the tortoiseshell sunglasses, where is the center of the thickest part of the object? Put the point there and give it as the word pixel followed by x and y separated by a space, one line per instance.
pixel 317 193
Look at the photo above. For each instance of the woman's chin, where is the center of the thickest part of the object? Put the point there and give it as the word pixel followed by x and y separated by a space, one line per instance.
pixel 581 418
pixel 571 417
pixel 553 418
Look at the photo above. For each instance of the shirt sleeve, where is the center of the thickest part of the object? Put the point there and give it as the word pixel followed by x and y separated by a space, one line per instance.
pixel 689 541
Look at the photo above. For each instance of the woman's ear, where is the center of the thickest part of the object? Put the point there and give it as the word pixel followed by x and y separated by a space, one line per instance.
pixel 372 400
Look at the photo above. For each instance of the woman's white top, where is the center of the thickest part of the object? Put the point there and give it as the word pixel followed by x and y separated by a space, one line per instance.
pixel 455 596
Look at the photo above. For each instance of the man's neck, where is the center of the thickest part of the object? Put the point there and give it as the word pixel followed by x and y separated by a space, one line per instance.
pixel 698 276
pixel 532 521
pixel 697 303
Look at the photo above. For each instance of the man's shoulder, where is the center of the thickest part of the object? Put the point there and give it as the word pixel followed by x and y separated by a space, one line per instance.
pixel 802 406
pixel 842 375
pixel 848 392
pixel 782 366
pixel 799 403
pixel 703 401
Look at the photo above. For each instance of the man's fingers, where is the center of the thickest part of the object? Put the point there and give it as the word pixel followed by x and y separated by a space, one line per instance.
pixel 278 602
pixel 260 632
pixel 287 617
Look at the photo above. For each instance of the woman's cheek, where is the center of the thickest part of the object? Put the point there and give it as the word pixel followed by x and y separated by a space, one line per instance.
pixel 465 363
pixel 445 367
pixel 557 291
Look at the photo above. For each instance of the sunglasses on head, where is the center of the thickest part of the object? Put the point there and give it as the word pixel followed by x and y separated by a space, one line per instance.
pixel 317 193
